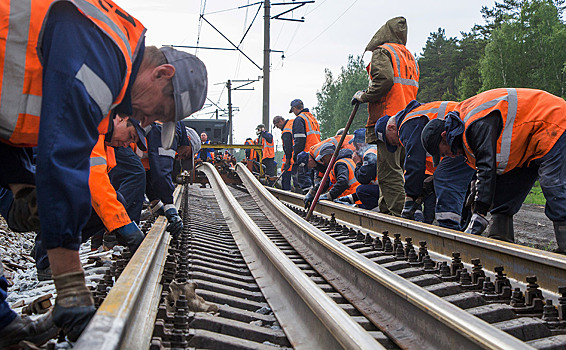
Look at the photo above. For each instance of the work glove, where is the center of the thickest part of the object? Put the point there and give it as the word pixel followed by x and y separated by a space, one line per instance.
pixel 175 226
pixel 132 236
pixel 325 196
pixel 74 306
pixel 37 331
pixel 348 200
pixel 478 224
pixel 357 98
pixel 419 216
pixel 157 208
pixel 472 195
pixel 409 208
pixel 428 187
pixel 308 199
pixel 23 215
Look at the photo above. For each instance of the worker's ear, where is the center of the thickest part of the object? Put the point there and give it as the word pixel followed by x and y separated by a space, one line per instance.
pixel 164 71
pixel 443 134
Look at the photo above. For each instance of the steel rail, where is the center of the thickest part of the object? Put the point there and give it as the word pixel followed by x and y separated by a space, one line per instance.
pixel 519 261
pixel 410 315
pixel 126 318
pixel 309 317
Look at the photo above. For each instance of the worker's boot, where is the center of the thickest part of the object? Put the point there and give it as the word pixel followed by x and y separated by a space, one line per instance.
pixel 501 228
pixel 560 232
pixel 74 306
pixel 21 328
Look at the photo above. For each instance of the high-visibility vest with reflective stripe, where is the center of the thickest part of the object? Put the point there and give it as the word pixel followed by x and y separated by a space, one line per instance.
pixel 374 151
pixel 352 182
pixel 405 84
pixel 252 151
pixel 268 148
pixel 533 120
pixel 312 129
pixel 346 144
pixel 431 110
pixel 288 128
pixel 21 72
pixel 103 195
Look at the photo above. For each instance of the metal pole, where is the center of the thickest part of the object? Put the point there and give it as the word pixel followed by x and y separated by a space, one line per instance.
pixel 229 87
pixel 266 54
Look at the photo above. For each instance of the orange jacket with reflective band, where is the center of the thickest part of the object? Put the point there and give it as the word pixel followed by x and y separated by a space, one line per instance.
pixel 368 151
pixel 268 148
pixel 103 195
pixel 20 113
pixel 288 128
pixel 405 84
pixel 253 153
pixel 352 182
pixel 431 110
pixel 533 120
pixel 312 128
pixel 315 149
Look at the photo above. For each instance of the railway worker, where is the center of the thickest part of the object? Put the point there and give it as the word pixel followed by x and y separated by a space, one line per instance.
pixel 511 137
pixel 394 82
pixel 365 158
pixel 249 152
pixel 287 168
pixel 451 179
pixel 306 133
pixel 90 62
pixel 159 181
pixel 265 139
pixel 205 154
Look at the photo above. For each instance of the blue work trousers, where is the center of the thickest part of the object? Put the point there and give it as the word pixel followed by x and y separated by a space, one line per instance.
pixel 451 180
pixel 17 165
pixel 128 178
pixel 286 179
pixel 305 177
pixel 7 315
pixel 368 195
pixel 513 187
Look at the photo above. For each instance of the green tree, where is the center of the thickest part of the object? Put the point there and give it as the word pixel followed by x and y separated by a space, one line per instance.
pixel 334 108
pixel 471 49
pixel 526 47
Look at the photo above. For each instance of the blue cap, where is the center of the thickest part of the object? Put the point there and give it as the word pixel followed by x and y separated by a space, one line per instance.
pixel 380 127
pixel 295 103
pixel 431 138
pixel 302 158
pixel 359 136
pixel 141 134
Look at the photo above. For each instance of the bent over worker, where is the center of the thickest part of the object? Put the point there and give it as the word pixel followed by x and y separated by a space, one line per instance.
pixel 394 82
pixel 90 62
pixel 511 137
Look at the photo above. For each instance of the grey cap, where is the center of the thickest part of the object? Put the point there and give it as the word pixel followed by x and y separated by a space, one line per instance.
pixel 190 85
pixel 325 149
pixel 194 139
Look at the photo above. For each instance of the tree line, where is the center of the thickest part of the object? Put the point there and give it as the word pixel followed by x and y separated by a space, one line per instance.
pixel 521 44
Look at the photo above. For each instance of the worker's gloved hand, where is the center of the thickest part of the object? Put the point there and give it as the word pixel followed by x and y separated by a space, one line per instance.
pixel 478 224
pixel 357 98
pixel 23 215
pixel 132 235
pixel 308 199
pixel 428 187
pixel 472 195
pixel 74 306
pixel 175 226
pixel 349 199
pixel 325 196
pixel 409 208
pixel 419 216
pixel 37 331
pixel 156 208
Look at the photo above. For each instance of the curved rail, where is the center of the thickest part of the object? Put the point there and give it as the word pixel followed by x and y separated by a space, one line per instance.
pixel 413 317
pixel 126 318
pixel 519 261
pixel 308 316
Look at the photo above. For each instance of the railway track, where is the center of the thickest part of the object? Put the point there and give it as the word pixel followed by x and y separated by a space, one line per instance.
pixel 278 281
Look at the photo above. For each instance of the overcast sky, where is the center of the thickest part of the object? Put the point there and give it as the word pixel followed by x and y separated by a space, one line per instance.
pixel 333 30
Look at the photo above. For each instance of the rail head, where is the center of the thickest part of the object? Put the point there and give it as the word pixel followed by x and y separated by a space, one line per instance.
pixel 321 322
pixel 385 291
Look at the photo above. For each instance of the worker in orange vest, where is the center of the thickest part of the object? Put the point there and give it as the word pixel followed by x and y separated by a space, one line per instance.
pixel 306 133
pixel 512 137
pixel 287 168
pixel 394 82
pixel 265 139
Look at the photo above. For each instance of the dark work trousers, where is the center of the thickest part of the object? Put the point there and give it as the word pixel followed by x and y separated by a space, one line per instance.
pixel 17 166
pixel 286 178
pixel 94 226
pixel 128 178
pixel 269 166
pixel 368 195
pixel 305 177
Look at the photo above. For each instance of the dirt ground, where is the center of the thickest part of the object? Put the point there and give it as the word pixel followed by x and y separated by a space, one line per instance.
pixel 533 228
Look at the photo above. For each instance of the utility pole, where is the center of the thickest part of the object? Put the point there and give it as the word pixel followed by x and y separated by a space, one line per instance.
pixel 266 61
pixel 229 87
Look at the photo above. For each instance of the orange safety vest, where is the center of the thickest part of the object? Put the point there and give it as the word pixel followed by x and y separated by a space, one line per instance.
pixel 346 144
pixel 21 28
pixel 431 110
pixel 103 195
pixel 312 128
pixel 405 84
pixel 352 182
pixel 288 128
pixel 533 120
pixel 374 151
pixel 268 148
